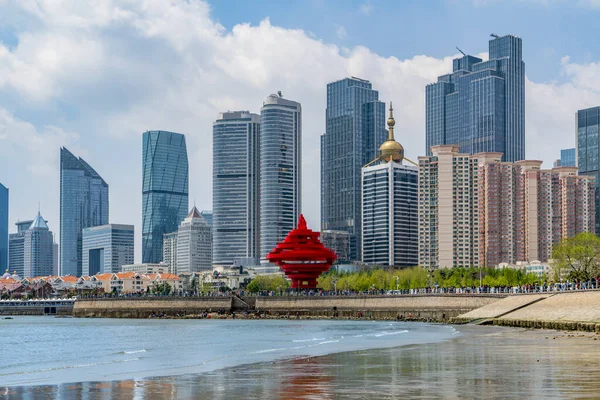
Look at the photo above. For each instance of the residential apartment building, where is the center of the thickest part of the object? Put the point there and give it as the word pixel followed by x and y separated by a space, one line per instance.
pixel 194 244
pixel 475 210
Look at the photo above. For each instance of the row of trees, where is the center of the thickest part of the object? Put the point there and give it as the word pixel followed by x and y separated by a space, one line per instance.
pixel 419 278
pixel 574 259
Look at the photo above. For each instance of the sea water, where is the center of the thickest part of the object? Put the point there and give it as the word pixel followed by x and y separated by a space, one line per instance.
pixel 51 351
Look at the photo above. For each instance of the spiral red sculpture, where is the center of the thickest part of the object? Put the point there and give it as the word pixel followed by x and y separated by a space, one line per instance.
pixel 302 257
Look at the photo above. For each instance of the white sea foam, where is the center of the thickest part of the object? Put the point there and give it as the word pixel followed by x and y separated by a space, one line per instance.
pixel 388 333
pixel 308 340
pixel 268 350
pixel 134 351
pixel 329 341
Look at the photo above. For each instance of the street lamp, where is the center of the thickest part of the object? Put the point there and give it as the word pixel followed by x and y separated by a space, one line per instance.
pixel 397 282
pixel 335 281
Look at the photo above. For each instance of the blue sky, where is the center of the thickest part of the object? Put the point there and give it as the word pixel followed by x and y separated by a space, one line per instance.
pixel 92 76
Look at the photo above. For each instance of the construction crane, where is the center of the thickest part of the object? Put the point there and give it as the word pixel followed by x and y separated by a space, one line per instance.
pixel 494 35
pixel 463 53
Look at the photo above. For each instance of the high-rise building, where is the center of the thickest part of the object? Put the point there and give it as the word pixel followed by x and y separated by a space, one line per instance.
pixel 194 244
pixel 339 243
pixel 16 248
pixel 164 189
pixel 170 250
pixel 355 127
pixel 38 249
pixel 236 187
pixel 3 228
pixel 83 204
pixel 588 151
pixel 389 207
pixel 208 216
pixel 475 210
pixel 107 248
pixel 280 170
pixel 568 158
pixel 480 106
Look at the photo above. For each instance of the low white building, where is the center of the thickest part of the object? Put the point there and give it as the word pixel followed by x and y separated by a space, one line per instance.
pixel 147 268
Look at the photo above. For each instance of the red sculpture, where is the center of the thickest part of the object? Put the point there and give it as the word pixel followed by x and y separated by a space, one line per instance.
pixel 302 257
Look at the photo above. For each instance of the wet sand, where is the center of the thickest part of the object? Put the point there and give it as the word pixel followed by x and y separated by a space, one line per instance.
pixel 481 362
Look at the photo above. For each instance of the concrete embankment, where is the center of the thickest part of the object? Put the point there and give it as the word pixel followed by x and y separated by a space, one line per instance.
pixel 569 311
pixel 425 307
pixel 144 307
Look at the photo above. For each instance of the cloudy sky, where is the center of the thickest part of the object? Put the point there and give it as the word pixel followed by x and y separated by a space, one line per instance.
pixel 93 75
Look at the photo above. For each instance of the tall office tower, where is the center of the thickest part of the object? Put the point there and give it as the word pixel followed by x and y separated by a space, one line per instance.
pixel 107 248
pixel 16 248
pixel 475 210
pixel 164 189
pixel 208 216
pixel 236 187
pixel 480 106
pixel 194 244
pixel 568 158
pixel 55 270
pixel 588 152
pixel 389 207
pixel 355 127
pixel 339 243
pixel 280 170
pixel 38 249
pixel 170 251
pixel 83 204
pixel 3 227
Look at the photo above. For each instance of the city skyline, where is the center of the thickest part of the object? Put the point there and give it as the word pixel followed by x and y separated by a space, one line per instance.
pixel 113 145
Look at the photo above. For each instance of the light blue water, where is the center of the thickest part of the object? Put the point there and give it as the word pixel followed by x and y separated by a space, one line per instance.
pixel 47 350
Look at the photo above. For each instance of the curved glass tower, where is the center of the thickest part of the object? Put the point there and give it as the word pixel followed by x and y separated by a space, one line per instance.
pixel 164 189
pixel 83 204
pixel 280 163
pixel 236 188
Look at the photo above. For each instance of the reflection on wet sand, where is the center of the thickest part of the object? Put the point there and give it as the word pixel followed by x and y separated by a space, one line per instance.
pixel 485 364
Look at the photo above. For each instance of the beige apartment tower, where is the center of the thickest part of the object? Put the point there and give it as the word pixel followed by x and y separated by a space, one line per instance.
pixel 475 210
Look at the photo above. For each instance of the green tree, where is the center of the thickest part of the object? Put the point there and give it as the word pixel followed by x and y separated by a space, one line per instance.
pixel 578 257
pixel 268 283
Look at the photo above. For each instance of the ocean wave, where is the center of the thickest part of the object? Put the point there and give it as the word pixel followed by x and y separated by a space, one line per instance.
pixel 133 351
pixel 307 340
pixel 268 350
pixel 71 367
pixel 329 341
pixel 388 333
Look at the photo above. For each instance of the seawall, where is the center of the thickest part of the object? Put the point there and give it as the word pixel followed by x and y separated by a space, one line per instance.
pixel 433 307
pixel 143 307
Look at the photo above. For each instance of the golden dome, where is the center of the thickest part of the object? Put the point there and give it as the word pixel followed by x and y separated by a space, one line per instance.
pixel 391 150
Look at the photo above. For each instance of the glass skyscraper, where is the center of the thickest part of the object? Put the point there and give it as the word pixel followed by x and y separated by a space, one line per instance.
pixel 280 170
pixel 568 158
pixel 164 189
pixel 355 127
pixel 38 249
pixel 236 188
pixel 83 203
pixel 480 106
pixel 107 248
pixel 3 228
pixel 588 160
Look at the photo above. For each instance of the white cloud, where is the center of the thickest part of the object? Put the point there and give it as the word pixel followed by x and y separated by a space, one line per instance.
pixel 366 8
pixel 115 69
pixel 340 32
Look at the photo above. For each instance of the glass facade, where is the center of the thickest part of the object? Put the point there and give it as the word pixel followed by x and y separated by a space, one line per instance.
pixel 236 187
pixel 568 158
pixel 83 204
pixel 164 189
pixel 355 128
pixel 280 165
pixel 107 248
pixel 38 249
pixel 390 215
pixel 588 161
pixel 480 106
pixel 3 228
pixel 16 248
